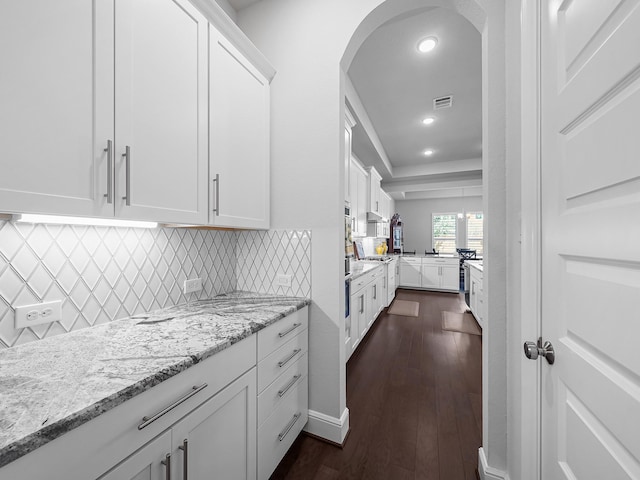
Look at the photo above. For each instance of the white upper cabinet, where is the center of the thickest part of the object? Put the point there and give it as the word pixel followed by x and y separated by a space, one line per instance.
pixel 161 111
pixel 359 192
pixel 57 90
pixel 349 123
pixel 374 191
pixel 239 136
pixel 90 81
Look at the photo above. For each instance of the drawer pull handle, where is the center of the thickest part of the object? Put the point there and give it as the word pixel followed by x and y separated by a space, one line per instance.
pixel 282 363
pixel 287 332
pixel 289 426
pixel 167 466
pixel 289 385
pixel 185 464
pixel 146 421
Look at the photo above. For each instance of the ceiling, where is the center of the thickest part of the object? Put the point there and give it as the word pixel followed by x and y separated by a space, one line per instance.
pixel 391 89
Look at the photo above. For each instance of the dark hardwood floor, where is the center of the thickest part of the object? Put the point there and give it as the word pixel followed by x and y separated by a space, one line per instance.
pixel 414 395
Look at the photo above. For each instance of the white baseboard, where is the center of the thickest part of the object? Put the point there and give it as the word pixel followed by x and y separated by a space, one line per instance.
pixel 486 472
pixel 330 428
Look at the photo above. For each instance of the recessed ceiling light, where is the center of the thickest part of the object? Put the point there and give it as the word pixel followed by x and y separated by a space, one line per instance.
pixel 428 153
pixel 427 44
pixel 428 120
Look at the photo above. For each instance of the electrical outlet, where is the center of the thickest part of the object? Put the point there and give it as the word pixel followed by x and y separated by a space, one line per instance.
pixel 37 314
pixel 192 285
pixel 283 280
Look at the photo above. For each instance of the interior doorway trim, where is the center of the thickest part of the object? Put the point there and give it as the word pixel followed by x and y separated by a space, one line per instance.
pixel 531 242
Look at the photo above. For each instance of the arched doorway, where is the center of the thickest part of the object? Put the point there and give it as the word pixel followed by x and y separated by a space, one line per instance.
pixel 311 43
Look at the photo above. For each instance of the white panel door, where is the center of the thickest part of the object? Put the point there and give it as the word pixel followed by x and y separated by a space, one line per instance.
pixel 239 132
pixel 431 276
pixel 220 435
pixel 56 106
pixel 410 273
pixel 161 111
pixel 590 239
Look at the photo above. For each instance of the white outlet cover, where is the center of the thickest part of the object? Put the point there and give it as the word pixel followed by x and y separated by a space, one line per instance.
pixel 192 285
pixel 38 314
pixel 283 280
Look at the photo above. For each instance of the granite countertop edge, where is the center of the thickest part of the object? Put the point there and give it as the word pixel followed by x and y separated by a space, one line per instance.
pixel 31 442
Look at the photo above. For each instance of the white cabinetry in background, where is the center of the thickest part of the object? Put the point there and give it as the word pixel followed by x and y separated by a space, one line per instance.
pixel 349 123
pixel 108 115
pixel 358 187
pixel 476 294
pixel 239 134
pixel 393 274
pixel 431 273
pixel 410 272
pixel 368 297
pixel 374 200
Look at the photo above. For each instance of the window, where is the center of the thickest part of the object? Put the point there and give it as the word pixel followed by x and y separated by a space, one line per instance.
pixel 474 232
pixel 444 232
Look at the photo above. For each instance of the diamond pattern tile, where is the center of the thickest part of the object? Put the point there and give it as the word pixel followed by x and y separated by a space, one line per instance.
pixel 105 273
pixel 263 255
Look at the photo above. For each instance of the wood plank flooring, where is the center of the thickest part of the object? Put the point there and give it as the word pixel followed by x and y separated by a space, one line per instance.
pixel 414 395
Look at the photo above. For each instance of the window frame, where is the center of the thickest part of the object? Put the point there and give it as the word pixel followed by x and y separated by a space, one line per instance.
pixel 455 233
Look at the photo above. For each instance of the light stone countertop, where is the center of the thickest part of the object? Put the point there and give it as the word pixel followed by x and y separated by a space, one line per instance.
pixel 56 384
pixel 477 264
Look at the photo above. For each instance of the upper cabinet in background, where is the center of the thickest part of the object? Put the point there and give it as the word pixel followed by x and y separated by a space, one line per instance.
pixel 373 211
pixel 349 123
pixel 105 112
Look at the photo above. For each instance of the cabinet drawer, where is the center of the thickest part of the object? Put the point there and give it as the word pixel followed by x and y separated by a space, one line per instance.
pixel 281 388
pixel 277 334
pixel 272 366
pixel 279 431
pixel 411 261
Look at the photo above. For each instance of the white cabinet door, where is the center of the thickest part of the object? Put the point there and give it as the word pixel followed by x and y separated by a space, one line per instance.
pixel 239 133
pixel 450 277
pixel 161 111
pixel 410 273
pixel 361 214
pixel 431 276
pixel 56 106
pixel 219 437
pixel 151 462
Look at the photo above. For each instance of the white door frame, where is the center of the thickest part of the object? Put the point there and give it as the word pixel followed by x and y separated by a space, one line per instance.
pixel 531 259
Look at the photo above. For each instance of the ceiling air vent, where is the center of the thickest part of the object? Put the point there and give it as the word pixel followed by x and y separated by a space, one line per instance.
pixel 442 102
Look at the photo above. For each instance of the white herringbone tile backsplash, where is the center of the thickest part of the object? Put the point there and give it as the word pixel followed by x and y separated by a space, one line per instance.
pixel 105 273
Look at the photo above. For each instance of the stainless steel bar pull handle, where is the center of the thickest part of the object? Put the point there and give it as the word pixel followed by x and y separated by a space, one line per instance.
pixel 185 463
pixel 167 466
pixel 289 330
pixel 286 388
pixel 146 421
pixel 127 158
pixel 216 181
pixel 109 150
pixel 289 426
pixel 282 363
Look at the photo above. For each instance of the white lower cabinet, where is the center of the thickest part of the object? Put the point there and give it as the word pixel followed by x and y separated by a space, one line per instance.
pixel 430 273
pixel 410 272
pixel 217 419
pixel 219 436
pixel 368 299
pixel 476 295
pixel 283 389
pixel 151 462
